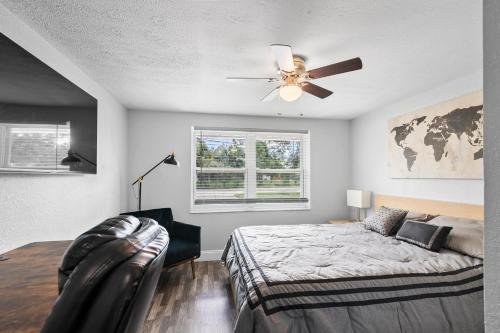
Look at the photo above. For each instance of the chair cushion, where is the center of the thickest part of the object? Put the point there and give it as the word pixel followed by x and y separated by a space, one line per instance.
pixel 179 250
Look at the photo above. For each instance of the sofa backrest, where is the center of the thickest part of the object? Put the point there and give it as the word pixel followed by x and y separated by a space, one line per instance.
pixel 109 230
pixel 109 278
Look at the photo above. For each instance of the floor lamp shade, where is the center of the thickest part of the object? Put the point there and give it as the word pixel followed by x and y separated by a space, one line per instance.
pixel 358 198
pixel 170 159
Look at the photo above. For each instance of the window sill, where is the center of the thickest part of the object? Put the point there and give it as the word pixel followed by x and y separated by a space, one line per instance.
pixel 202 209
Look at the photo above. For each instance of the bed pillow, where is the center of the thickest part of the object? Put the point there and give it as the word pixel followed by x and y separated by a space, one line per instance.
pixel 425 235
pixel 466 236
pixel 420 217
pixel 385 221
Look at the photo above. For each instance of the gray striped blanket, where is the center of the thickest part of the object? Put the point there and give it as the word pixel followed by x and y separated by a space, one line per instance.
pixel 343 278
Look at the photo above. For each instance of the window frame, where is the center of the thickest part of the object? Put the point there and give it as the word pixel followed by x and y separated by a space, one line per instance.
pixel 251 182
pixel 6 146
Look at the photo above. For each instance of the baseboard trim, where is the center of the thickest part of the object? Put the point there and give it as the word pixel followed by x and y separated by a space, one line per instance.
pixel 210 255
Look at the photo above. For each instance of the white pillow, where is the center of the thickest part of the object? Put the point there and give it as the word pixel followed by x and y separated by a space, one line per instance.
pixel 466 236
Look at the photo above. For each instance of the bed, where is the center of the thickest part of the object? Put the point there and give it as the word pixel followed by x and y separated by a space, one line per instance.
pixel 343 278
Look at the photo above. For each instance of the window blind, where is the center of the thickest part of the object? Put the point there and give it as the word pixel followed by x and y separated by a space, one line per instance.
pixel 250 169
pixel 34 145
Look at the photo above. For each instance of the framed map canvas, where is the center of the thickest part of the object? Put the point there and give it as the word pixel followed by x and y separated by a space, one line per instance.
pixel 440 141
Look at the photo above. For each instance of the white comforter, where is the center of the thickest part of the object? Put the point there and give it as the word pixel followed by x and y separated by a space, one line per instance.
pixel 295 278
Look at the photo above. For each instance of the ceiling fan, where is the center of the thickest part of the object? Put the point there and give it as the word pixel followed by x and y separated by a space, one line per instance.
pixel 294 78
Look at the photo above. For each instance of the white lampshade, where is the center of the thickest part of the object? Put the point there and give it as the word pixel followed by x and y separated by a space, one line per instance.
pixel 290 92
pixel 358 198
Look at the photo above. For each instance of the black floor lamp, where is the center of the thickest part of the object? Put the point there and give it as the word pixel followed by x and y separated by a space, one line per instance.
pixel 170 159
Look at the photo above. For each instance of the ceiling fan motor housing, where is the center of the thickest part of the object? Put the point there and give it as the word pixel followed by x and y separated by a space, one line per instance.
pixel 300 64
pixel 298 75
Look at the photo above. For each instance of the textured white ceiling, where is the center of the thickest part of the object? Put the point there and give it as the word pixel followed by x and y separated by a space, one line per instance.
pixel 174 55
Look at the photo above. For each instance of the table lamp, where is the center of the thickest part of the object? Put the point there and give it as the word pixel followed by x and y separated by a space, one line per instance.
pixel 360 200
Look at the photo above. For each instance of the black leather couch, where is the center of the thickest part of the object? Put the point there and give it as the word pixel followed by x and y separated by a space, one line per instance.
pixel 184 243
pixel 108 277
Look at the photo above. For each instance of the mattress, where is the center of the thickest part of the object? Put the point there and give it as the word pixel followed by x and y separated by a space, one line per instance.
pixel 343 278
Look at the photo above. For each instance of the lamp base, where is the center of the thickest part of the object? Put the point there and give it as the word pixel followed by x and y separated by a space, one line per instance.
pixel 360 214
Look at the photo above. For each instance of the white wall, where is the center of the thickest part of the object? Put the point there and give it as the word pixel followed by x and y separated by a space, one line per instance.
pixel 369 157
pixel 52 207
pixel 492 165
pixel 152 135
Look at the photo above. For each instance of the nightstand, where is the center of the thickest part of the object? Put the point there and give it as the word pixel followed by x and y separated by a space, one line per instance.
pixel 340 221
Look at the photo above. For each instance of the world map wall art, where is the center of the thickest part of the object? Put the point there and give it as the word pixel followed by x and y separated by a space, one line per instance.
pixel 440 141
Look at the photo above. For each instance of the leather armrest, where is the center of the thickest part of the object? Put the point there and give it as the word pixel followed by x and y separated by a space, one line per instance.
pixel 186 232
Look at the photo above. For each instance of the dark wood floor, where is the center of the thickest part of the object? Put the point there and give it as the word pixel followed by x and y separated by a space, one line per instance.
pixel 184 305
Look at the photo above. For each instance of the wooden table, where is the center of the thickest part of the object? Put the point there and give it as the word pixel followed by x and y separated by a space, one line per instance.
pixel 28 285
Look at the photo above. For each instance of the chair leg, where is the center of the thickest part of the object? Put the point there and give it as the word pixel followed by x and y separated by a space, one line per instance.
pixel 192 269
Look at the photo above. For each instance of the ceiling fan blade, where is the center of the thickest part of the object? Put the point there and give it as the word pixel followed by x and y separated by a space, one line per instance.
pixel 284 57
pixel 315 90
pixel 271 95
pixel 268 79
pixel 340 67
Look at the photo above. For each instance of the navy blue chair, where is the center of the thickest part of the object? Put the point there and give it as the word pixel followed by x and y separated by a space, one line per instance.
pixel 184 243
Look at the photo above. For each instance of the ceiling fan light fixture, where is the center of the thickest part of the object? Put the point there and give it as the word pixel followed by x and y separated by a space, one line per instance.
pixel 290 92
pixel 294 78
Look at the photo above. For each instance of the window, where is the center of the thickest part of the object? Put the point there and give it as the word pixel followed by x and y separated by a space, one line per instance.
pixel 27 146
pixel 247 169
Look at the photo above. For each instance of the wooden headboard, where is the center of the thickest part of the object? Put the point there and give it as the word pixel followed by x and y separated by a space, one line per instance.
pixel 434 207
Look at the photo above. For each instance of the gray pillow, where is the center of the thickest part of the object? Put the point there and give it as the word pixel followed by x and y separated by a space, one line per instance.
pixel 419 217
pixel 466 236
pixel 425 235
pixel 385 221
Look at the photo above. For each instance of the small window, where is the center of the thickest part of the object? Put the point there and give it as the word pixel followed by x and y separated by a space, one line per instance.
pixel 248 170
pixel 34 146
